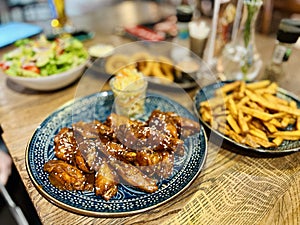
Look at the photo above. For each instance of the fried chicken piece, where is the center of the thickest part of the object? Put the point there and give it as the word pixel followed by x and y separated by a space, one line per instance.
pixel 168 121
pixel 89 136
pixel 66 149
pixel 164 123
pixel 105 182
pixel 133 176
pixel 86 130
pixel 65 176
pixel 120 152
pixel 82 163
pixel 154 163
pixel 137 136
pixel 65 145
pixel 88 150
pixel 90 181
pixel 158 165
pixel 115 121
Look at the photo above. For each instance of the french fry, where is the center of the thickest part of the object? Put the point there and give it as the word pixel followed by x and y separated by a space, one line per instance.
pixel 257 85
pixel 224 126
pixel 242 122
pixel 220 111
pixel 285 122
pixel 254 105
pixel 221 120
pixel 267 90
pixel 243 101
pixel 241 92
pixel 291 138
pixel 248 118
pixel 260 141
pixel 292 120
pixel 259 134
pixel 270 127
pixel 251 142
pixel 284 134
pixel 256 98
pixel 224 130
pixel 213 102
pixel 286 109
pixel 232 122
pixel 257 113
pixel 298 123
pixel 156 71
pixel 271 89
pixel 274 99
pixel 166 66
pixel 279 115
pixel 230 87
pixel 147 70
pixel 206 116
pixel 235 136
pixel 257 124
pixel 232 107
pixel 277 141
pixel 293 104
pixel 275 122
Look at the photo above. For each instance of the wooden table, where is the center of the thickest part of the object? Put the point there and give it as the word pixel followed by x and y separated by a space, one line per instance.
pixel 233 188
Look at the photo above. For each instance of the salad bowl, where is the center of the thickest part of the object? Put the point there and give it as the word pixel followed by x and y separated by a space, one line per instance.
pixel 49 83
pixel 45 65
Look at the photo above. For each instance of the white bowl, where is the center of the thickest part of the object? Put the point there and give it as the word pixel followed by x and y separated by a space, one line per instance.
pixel 51 82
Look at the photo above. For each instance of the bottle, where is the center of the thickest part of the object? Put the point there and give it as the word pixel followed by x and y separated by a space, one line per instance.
pixel 287 35
pixel 184 14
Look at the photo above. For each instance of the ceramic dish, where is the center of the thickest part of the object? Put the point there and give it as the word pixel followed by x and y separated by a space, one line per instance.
pixel 209 91
pixel 52 82
pixel 128 200
pixel 192 66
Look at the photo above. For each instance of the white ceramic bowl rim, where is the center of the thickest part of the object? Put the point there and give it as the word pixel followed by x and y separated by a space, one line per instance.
pixel 49 77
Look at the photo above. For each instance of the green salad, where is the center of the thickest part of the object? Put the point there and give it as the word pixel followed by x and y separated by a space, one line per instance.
pixel 38 58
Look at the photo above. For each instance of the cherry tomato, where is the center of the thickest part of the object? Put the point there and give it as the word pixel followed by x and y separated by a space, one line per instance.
pixel 4 65
pixel 32 68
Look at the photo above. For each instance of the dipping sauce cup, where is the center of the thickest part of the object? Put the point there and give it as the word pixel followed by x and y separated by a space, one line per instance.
pixel 129 87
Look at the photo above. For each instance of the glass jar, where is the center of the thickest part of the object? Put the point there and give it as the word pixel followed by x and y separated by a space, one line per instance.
pixel 240 58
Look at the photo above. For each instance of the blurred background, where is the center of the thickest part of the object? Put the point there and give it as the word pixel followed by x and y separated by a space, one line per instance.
pixel 38 11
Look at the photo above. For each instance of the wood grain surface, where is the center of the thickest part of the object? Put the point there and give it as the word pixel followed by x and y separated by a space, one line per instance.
pixel 234 187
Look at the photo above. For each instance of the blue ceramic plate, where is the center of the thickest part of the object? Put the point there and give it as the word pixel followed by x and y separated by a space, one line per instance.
pixel 209 92
pixel 128 200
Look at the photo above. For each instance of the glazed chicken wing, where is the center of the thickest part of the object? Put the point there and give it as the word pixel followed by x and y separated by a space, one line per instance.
pixel 105 182
pixel 169 121
pixel 158 165
pixel 65 145
pixel 66 149
pixel 134 177
pixel 65 176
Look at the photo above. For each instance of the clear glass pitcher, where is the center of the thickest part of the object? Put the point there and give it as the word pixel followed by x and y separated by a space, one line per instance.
pixel 240 58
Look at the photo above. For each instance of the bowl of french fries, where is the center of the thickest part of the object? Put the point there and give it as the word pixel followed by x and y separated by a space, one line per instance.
pixel 258 116
pixel 159 62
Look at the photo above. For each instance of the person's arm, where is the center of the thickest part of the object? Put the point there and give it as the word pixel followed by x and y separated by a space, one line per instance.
pixel 5 161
